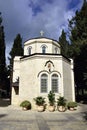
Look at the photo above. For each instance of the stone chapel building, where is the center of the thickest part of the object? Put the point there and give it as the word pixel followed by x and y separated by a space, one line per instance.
pixel 41 69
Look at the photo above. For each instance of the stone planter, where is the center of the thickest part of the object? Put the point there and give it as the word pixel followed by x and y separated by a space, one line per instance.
pixel 61 108
pixel 24 108
pixel 51 108
pixel 71 108
pixel 40 108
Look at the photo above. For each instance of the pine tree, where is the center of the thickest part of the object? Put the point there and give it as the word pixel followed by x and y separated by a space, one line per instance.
pixel 78 37
pixel 78 29
pixel 17 49
pixel 2 57
pixel 64 44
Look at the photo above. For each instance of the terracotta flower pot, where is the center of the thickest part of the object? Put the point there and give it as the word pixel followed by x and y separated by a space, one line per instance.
pixel 24 108
pixel 40 108
pixel 71 108
pixel 61 108
pixel 51 108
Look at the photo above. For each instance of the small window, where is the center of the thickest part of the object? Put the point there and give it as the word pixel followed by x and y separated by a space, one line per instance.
pixel 44 82
pixel 43 49
pixel 29 50
pixel 56 50
pixel 54 82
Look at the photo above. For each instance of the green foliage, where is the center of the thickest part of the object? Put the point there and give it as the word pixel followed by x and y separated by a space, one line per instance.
pixel 81 68
pixel 39 100
pixel 78 37
pixel 78 29
pixel 26 104
pixel 51 98
pixel 72 104
pixel 64 44
pixel 17 49
pixel 3 69
pixel 61 101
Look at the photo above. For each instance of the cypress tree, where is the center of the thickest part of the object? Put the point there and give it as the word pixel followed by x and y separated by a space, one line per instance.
pixel 78 29
pixel 2 57
pixel 17 49
pixel 64 44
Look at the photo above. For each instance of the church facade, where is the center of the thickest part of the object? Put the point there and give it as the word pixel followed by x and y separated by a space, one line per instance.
pixel 41 69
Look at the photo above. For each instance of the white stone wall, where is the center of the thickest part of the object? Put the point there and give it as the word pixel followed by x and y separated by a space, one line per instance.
pixel 72 79
pixel 16 74
pixel 30 76
pixel 68 84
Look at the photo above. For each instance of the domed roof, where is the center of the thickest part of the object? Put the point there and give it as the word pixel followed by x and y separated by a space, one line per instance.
pixel 40 40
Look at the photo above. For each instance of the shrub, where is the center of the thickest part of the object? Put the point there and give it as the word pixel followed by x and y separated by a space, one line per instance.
pixel 51 97
pixel 39 100
pixel 72 104
pixel 26 104
pixel 61 101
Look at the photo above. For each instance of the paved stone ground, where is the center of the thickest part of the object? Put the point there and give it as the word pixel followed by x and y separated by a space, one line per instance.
pixel 13 118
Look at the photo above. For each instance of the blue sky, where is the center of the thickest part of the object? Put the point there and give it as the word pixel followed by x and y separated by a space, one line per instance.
pixel 29 17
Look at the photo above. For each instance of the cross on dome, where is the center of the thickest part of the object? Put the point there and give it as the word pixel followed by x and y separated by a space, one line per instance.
pixel 41 32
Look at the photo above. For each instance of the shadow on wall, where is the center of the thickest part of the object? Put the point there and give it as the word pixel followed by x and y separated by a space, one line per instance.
pixel 5 102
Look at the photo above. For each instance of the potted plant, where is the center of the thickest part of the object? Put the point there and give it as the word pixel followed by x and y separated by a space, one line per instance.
pixel 26 105
pixel 40 101
pixel 71 105
pixel 51 98
pixel 61 104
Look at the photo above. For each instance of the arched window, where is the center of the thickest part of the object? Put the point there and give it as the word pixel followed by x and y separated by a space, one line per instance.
pixel 43 49
pixel 44 83
pixel 56 50
pixel 54 83
pixel 29 50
